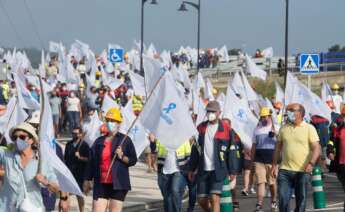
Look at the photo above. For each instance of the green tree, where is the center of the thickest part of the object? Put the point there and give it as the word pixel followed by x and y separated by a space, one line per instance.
pixel 334 48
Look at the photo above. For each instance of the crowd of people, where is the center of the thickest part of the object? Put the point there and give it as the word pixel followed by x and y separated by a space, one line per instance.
pixel 280 158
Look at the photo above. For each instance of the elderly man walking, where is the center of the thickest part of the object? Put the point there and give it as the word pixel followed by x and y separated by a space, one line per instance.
pixel 298 146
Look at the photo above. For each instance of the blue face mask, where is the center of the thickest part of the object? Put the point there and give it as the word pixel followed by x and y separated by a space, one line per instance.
pixel 21 145
pixel 291 116
pixel 112 126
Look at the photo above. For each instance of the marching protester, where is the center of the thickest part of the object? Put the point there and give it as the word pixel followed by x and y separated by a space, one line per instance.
pixel 110 181
pixel 22 184
pixel 299 149
pixel 336 149
pixel 336 98
pixel 171 180
pixel 264 142
pixel 74 111
pixel 76 157
pixel 210 159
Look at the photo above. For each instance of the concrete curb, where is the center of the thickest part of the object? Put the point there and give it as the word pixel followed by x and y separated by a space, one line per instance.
pixel 144 206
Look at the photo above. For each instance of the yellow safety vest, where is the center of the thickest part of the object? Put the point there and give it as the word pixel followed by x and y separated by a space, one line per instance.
pixel 182 154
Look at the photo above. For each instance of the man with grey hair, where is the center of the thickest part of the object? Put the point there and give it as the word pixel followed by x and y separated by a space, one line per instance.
pixel 298 146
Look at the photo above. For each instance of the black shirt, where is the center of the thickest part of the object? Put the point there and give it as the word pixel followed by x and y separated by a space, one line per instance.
pixel 76 166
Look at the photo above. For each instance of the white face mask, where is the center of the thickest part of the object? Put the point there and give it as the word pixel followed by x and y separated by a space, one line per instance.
pixel 211 116
pixel 112 126
pixel 72 95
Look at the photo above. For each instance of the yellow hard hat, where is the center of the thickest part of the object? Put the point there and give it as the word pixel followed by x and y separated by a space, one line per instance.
pixel 214 91
pixel 98 73
pixel 114 114
pixel 335 86
pixel 126 55
pixel 81 85
pixel 265 111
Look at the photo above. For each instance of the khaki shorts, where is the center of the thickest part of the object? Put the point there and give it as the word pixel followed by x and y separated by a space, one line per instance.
pixel 263 173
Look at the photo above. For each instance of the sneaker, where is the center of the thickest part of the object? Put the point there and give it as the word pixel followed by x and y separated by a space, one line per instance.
pixel 293 196
pixel 244 193
pixel 258 208
pixel 274 206
pixel 252 191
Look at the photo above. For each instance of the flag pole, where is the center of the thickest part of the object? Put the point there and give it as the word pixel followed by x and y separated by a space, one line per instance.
pixel 133 123
pixel 39 170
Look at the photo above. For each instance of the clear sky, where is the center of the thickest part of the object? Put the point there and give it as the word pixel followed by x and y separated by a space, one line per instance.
pixel 315 25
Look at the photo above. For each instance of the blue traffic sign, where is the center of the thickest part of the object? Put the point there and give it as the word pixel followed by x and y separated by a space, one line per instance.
pixel 116 55
pixel 309 63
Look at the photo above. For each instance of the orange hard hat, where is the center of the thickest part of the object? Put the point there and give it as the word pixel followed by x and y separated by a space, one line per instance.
pixel 330 104
pixel 277 105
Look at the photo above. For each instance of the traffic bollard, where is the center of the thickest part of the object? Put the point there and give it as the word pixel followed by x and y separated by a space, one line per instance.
pixel 225 198
pixel 317 184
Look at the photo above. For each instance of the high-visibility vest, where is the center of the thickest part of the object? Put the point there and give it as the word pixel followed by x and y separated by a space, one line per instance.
pixel 137 104
pixel 182 154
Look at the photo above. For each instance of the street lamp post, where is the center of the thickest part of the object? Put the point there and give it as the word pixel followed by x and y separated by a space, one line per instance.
pixel 286 39
pixel 198 7
pixel 142 39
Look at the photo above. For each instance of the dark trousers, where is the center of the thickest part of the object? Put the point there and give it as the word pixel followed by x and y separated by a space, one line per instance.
pixel 287 180
pixel 341 177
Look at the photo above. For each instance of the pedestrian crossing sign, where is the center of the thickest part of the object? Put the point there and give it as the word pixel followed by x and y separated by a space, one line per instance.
pixel 309 63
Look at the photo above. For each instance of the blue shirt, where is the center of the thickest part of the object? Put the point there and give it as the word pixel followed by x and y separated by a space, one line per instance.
pixel 12 190
pixel 264 144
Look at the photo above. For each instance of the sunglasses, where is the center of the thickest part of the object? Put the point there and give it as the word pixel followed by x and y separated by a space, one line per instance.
pixel 22 137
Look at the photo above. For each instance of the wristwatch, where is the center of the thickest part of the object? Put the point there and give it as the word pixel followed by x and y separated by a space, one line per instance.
pixel 63 198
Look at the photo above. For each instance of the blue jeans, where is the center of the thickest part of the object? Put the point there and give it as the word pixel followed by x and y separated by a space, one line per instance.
pixel 287 180
pixel 172 188
pixel 74 119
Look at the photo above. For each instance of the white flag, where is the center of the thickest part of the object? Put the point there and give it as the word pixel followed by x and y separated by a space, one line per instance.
pixel 137 133
pixel 242 119
pixel 65 178
pixel 153 71
pixel 279 96
pixel 151 51
pixel 54 47
pixel 224 56
pixel 26 100
pixel 91 129
pixel 167 116
pixel 137 83
pixel 268 52
pixel 108 103
pixel 326 92
pixel 254 70
pixel 311 102
pixel 14 115
pixel 209 90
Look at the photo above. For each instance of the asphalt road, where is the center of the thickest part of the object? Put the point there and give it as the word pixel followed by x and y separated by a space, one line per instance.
pixel 334 198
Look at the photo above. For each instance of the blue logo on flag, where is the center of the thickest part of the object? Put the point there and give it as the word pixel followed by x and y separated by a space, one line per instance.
pixel 241 115
pixel 116 55
pixel 165 113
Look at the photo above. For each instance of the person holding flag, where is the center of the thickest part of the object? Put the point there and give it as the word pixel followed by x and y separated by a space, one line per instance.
pixel 211 160
pixel 111 181
pixel 22 184
pixel 264 141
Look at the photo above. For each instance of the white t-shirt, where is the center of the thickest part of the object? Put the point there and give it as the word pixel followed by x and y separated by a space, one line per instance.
pixel 73 104
pixel 209 147
pixel 170 163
